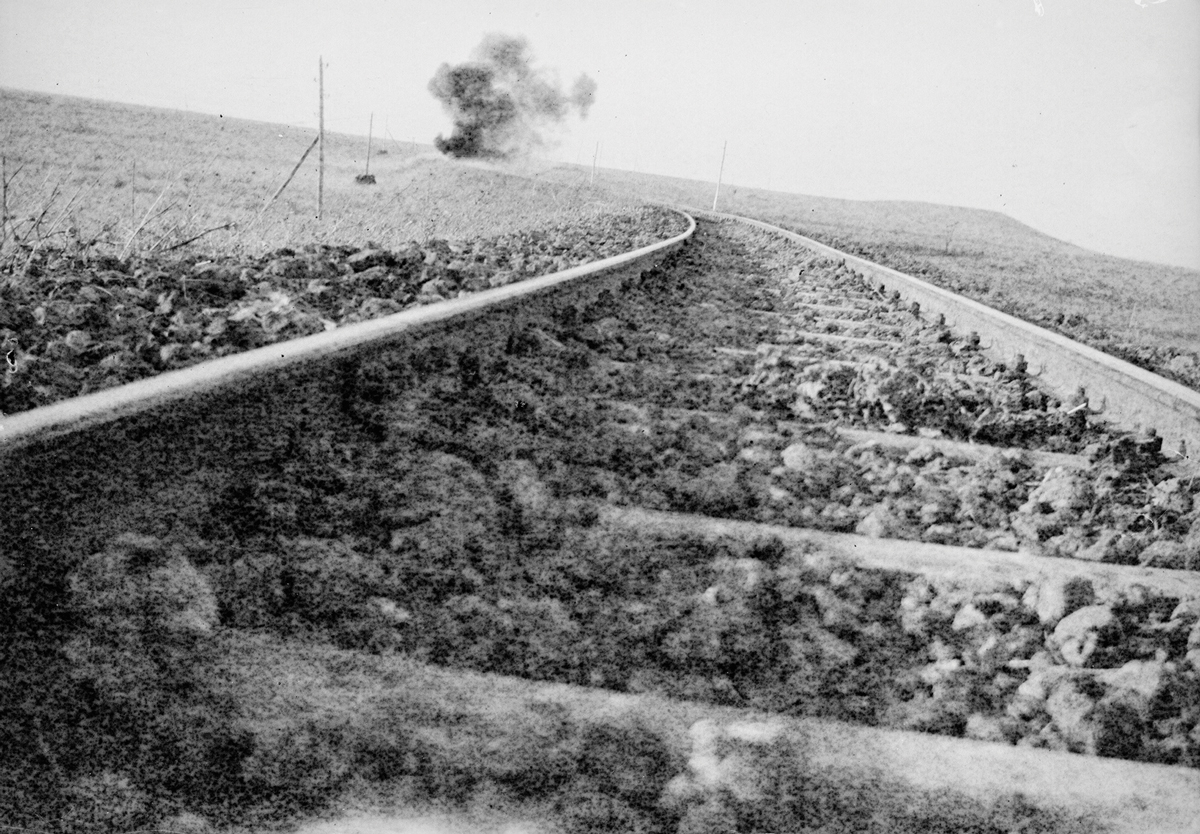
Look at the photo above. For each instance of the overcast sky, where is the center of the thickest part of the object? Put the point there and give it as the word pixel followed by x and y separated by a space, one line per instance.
pixel 1078 117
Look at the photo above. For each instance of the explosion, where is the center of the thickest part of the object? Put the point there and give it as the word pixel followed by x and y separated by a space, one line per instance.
pixel 499 101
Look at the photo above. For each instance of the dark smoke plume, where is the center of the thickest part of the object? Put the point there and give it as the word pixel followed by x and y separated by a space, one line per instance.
pixel 498 100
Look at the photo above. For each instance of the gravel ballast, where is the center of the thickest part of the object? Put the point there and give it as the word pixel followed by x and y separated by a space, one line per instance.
pixel 75 323
pixel 457 525
pixel 449 497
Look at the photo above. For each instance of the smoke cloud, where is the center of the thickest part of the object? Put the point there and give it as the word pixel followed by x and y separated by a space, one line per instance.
pixel 500 102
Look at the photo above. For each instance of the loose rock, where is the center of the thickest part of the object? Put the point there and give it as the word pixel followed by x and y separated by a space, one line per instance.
pixel 1078 634
pixel 1059 596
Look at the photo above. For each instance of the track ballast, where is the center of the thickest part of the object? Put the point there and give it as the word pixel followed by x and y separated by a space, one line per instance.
pixel 545 494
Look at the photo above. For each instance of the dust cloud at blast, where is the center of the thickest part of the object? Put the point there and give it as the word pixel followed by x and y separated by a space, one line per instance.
pixel 500 102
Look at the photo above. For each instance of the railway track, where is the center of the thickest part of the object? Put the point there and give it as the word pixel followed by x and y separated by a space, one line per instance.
pixel 745 477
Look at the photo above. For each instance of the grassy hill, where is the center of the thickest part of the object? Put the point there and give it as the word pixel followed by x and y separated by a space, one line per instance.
pixel 117 177
pixel 124 177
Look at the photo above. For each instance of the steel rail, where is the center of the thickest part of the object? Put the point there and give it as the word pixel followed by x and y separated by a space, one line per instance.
pixel 103 460
pixel 228 372
pixel 1129 395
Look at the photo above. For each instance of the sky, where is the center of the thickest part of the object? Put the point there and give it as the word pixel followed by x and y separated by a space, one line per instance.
pixel 1080 118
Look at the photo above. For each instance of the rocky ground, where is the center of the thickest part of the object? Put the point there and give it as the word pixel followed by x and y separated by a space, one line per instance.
pixel 74 323
pixel 453 510
pixel 462 531
pixel 1174 363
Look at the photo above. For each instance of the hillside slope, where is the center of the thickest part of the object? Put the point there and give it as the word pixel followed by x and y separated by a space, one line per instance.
pixel 126 178
pixel 123 178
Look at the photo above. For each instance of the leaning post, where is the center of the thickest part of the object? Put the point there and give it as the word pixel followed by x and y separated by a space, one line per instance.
pixel 720 173
pixel 370 127
pixel 320 136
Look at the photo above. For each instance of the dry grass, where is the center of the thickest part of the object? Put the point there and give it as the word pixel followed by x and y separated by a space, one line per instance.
pixel 119 178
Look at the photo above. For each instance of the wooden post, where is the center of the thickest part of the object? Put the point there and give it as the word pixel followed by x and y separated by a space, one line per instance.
pixel 321 137
pixel 370 126
pixel 595 156
pixel 720 173
pixel 133 193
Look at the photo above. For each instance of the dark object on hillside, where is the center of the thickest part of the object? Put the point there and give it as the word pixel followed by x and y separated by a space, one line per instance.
pixel 365 179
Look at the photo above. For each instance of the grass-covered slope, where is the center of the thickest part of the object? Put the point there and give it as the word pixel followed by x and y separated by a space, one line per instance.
pixel 115 178
pixel 123 178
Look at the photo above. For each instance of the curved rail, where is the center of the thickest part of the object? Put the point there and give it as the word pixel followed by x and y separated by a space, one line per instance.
pixel 1128 394
pixel 72 415
pixel 127 457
